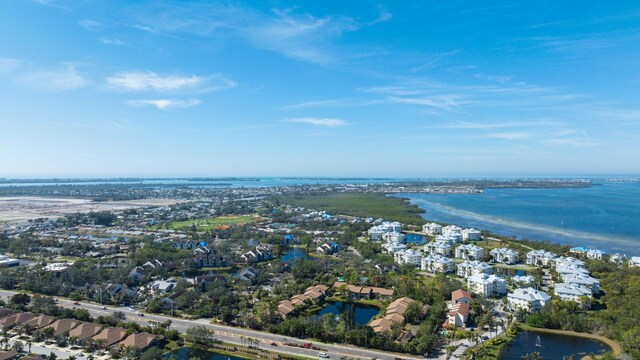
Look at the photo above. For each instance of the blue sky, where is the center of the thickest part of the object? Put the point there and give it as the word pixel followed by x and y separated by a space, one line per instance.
pixel 323 88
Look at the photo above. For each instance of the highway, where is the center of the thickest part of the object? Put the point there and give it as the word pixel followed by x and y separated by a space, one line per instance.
pixel 232 335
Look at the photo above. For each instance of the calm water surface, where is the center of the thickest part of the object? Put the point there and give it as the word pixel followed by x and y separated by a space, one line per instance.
pixel 604 216
pixel 551 346
pixel 356 314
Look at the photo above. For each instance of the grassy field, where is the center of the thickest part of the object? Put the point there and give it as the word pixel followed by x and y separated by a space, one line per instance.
pixel 359 204
pixel 210 223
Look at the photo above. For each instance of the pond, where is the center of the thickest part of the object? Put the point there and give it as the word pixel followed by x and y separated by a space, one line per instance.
pixel 187 353
pixel 551 346
pixel 293 254
pixel 353 313
pixel 414 239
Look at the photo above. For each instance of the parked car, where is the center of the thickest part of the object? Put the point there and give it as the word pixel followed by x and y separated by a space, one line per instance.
pixel 323 355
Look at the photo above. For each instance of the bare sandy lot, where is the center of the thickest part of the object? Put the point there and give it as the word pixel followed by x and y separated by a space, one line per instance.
pixel 21 209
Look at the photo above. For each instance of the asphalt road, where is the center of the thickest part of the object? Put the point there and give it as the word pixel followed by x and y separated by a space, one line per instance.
pixel 233 335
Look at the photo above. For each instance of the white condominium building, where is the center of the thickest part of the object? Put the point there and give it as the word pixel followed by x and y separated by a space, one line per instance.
pixel 432 229
pixel 452 231
pixel 376 232
pixel 540 258
pixel 504 255
pixel 586 281
pixel 437 264
pixel 523 280
pixel 394 237
pixel 469 252
pixel 595 254
pixel 577 293
pixel 487 285
pixel 393 248
pixel 569 262
pixel 470 268
pixel 634 261
pixel 528 299
pixel 471 235
pixel 408 257
pixel 438 247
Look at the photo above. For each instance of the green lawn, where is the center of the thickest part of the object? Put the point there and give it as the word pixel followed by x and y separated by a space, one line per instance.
pixel 359 204
pixel 211 223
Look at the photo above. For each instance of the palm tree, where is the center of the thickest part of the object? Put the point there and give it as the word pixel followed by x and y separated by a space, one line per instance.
pixel 29 343
pixel 242 340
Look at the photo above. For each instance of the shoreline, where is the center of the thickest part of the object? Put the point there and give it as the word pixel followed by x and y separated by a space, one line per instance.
pixel 616 348
pixel 520 230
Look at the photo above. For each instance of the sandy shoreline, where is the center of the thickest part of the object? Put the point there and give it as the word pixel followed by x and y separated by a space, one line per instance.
pixel 15 209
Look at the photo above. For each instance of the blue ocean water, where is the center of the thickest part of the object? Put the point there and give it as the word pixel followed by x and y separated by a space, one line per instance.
pixel 604 216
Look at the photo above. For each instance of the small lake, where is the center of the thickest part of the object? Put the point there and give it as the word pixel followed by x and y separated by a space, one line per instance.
pixel 294 254
pixel 191 353
pixel 552 346
pixel 353 313
pixel 415 239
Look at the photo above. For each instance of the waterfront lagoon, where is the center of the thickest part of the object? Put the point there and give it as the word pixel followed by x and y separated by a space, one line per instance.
pixel 551 346
pixel 294 254
pixel 187 353
pixel 415 239
pixel 353 313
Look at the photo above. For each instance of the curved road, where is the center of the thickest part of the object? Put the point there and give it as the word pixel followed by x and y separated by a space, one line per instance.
pixel 232 335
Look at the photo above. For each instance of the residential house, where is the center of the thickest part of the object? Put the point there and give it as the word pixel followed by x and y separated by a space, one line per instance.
pixel 393 315
pixel 385 268
pixel 40 321
pixel 504 255
pixel 62 326
pixel 110 336
pixel 9 355
pixel 247 274
pixel 85 331
pixel 469 252
pixel 313 294
pixel 460 295
pixel 16 319
pixel 487 285
pixel 458 314
pixel 328 248
pixel 141 341
pixel 527 299
pixel 203 257
pixel 137 274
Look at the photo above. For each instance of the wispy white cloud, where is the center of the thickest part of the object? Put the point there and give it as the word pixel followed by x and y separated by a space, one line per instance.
pixel 297 35
pixel 510 135
pixel 434 61
pixel 312 104
pixel 90 24
pixel 8 65
pixel 497 125
pixel 319 121
pixel 65 78
pixel 112 41
pixel 444 102
pixel 164 104
pixel 147 80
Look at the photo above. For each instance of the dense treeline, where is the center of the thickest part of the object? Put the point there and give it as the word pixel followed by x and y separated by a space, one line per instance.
pixel 616 313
